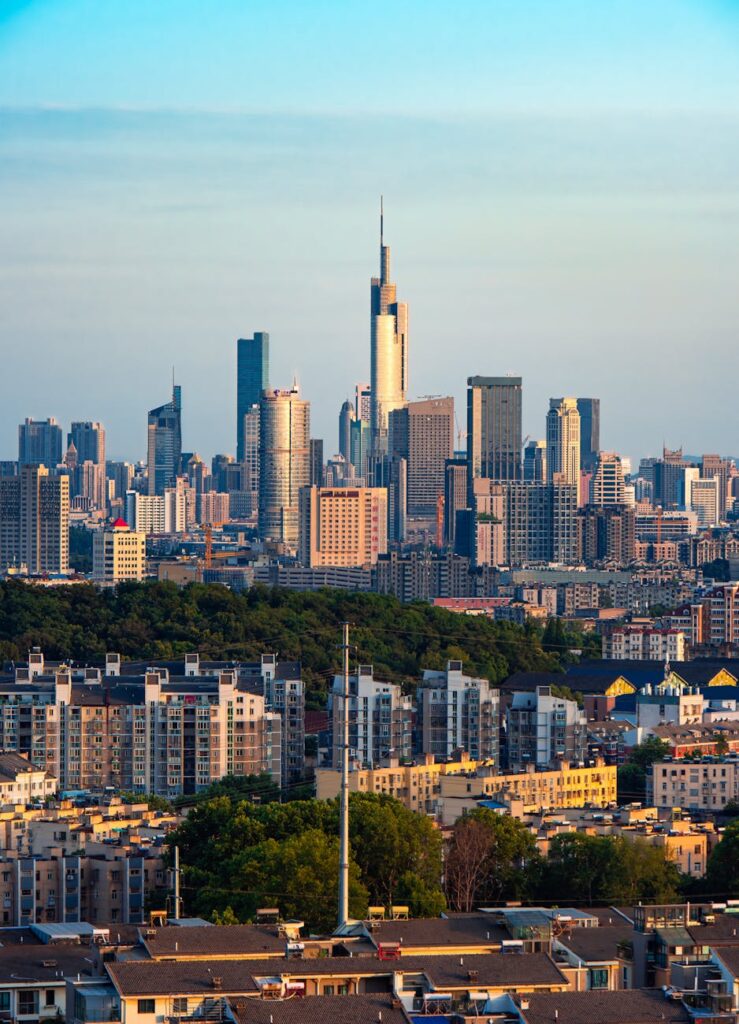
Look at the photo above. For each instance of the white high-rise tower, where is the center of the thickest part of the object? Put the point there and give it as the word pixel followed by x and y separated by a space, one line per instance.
pixel 389 349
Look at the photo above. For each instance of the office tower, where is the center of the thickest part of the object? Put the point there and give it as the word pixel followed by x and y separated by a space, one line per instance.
pixel 715 466
pixel 380 720
pixel 343 526
pixel 118 553
pixel 220 467
pixel 164 447
pixel 34 521
pixel 455 496
pixel 422 433
pixel 121 474
pixel 40 443
pixel 86 440
pixel 607 486
pixel 346 417
pixel 392 474
pixel 493 428
pixel 250 450
pixel 389 349
pixel 486 521
pixel 316 462
pixel 544 730
pixel 535 461
pixel 252 379
pixel 359 448
pixel 198 475
pixel 668 478
pixel 363 402
pixel 284 464
pixel 456 712
pixel 589 409
pixel 705 501
pixel 563 440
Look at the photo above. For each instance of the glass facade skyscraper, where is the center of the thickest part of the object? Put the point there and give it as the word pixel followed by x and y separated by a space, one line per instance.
pixel 164 447
pixel 493 428
pixel 252 378
pixel 284 464
pixel 589 409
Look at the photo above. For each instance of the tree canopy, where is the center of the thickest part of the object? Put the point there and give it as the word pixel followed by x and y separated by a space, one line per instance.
pixel 632 776
pixel 161 621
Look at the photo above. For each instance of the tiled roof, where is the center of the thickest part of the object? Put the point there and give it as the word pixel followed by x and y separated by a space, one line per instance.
pixel 210 941
pixel 729 956
pixel 596 945
pixel 361 1009
pixel 462 930
pixel 629 1006
pixel 494 970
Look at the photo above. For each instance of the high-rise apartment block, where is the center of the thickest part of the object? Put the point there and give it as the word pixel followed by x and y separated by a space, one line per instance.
pixel 541 523
pixel 252 379
pixel 422 433
pixel 589 409
pixel 388 350
pixel 455 712
pixel 118 554
pixel 34 522
pixel 494 428
pixel 563 441
pixel 40 443
pixel 342 526
pixel 164 445
pixel 284 466
pixel 380 720
pixel 543 730
pixel 607 486
pixel 607 535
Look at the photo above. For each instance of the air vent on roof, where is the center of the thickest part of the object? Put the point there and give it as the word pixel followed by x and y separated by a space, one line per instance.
pixel 216 981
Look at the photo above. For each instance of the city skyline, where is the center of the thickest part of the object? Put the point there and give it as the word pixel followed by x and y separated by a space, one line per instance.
pixel 561 188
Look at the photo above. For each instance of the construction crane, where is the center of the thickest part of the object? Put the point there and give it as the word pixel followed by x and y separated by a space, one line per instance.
pixel 208 531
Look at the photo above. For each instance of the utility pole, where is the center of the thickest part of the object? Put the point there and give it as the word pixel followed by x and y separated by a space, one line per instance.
pixel 176 883
pixel 344 797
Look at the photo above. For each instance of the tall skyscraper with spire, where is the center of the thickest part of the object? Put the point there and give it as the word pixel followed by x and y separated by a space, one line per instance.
pixel 389 349
pixel 164 447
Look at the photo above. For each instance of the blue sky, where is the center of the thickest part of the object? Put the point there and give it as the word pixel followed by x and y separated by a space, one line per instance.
pixel 561 199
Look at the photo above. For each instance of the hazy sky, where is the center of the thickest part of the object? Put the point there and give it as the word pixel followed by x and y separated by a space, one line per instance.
pixel 561 186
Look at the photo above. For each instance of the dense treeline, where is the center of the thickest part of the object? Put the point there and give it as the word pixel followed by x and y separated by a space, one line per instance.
pixel 160 620
pixel 238 856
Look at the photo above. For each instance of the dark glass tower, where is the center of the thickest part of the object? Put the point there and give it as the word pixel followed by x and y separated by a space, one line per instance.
pixel 589 409
pixel 493 428
pixel 252 378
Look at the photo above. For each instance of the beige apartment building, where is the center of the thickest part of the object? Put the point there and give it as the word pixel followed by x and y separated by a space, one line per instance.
pixel 118 554
pixel 696 786
pixel 342 526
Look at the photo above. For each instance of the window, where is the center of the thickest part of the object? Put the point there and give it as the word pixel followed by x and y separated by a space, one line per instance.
pixel 50 999
pixel 179 1005
pixel 4 1002
pixel 146 1006
pixel 27 1002
pixel 599 978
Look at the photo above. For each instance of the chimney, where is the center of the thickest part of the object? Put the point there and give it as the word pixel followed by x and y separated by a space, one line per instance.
pixel 216 981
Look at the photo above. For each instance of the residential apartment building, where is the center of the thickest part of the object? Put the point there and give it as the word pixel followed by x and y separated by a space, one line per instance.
pixel 342 526
pixel 695 785
pixel 543 729
pixel 455 712
pixel 34 522
pixel 118 554
pixel 643 643
pixel 380 719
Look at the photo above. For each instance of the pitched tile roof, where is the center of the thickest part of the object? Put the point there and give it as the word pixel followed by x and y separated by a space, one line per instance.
pixel 629 1006
pixel 596 945
pixel 211 941
pixel 360 1009
pixel 461 930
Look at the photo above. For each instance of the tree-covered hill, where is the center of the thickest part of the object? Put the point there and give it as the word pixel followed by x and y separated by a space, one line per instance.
pixel 159 621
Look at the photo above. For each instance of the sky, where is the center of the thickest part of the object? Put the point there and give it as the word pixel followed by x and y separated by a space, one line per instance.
pixel 561 183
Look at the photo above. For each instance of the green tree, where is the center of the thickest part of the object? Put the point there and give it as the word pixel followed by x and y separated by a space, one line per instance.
pixel 491 857
pixel 722 874
pixel 632 776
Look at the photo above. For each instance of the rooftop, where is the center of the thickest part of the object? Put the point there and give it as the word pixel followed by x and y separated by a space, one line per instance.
pixel 628 1006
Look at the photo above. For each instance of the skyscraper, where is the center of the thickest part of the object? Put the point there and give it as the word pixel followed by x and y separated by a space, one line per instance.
pixel 535 461
pixel 40 443
pixel 563 441
pixel 88 440
pixel 34 521
pixel 252 378
pixel 607 486
pixel 389 349
pixel 423 434
pixel 363 401
pixel 346 417
pixel 589 409
pixel 164 448
pixel 284 463
pixel 493 428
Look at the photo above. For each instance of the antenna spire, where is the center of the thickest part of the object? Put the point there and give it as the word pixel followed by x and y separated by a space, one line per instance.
pixel 382 221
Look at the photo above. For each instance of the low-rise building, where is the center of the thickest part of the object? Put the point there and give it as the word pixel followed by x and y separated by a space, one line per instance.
pixel 695 785
pixel 118 554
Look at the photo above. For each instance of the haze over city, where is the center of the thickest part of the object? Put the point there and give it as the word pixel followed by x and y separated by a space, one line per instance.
pixel 560 194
